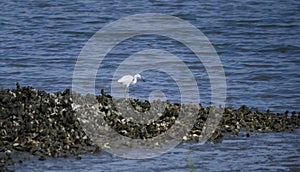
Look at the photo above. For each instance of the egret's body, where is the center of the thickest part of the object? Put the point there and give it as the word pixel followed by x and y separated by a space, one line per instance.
pixel 127 80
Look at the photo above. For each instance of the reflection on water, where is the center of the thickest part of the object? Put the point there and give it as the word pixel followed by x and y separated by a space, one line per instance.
pixel 259 152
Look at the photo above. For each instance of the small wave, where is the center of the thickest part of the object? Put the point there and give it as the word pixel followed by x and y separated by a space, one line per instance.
pixel 266 77
pixel 281 49
pixel 276 25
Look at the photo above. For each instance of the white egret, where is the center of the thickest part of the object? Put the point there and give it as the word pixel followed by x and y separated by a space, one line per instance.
pixel 127 80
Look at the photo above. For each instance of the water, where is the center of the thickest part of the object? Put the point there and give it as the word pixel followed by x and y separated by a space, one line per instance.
pixel 259 152
pixel 258 44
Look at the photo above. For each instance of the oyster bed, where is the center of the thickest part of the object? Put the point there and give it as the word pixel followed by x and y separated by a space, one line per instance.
pixel 52 125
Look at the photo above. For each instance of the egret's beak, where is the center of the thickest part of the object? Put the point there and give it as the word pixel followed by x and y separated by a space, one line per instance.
pixel 143 79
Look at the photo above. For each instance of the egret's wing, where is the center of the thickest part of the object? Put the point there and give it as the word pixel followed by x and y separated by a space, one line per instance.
pixel 126 79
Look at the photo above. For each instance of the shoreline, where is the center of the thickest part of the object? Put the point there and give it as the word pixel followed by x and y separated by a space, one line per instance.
pixel 45 125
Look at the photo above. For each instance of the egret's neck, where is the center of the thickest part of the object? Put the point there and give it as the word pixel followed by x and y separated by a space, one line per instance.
pixel 134 80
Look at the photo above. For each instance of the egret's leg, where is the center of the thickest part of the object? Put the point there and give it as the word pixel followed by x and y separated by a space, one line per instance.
pixel 125 92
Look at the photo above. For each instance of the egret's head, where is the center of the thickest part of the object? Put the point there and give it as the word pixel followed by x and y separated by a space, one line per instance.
pixel 139 76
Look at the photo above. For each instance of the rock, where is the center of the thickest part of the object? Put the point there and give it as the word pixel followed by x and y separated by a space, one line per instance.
pixel 42 158
pixel 46 124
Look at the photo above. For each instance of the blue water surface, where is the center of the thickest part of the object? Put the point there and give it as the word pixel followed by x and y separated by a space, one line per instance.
pixel 258 43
